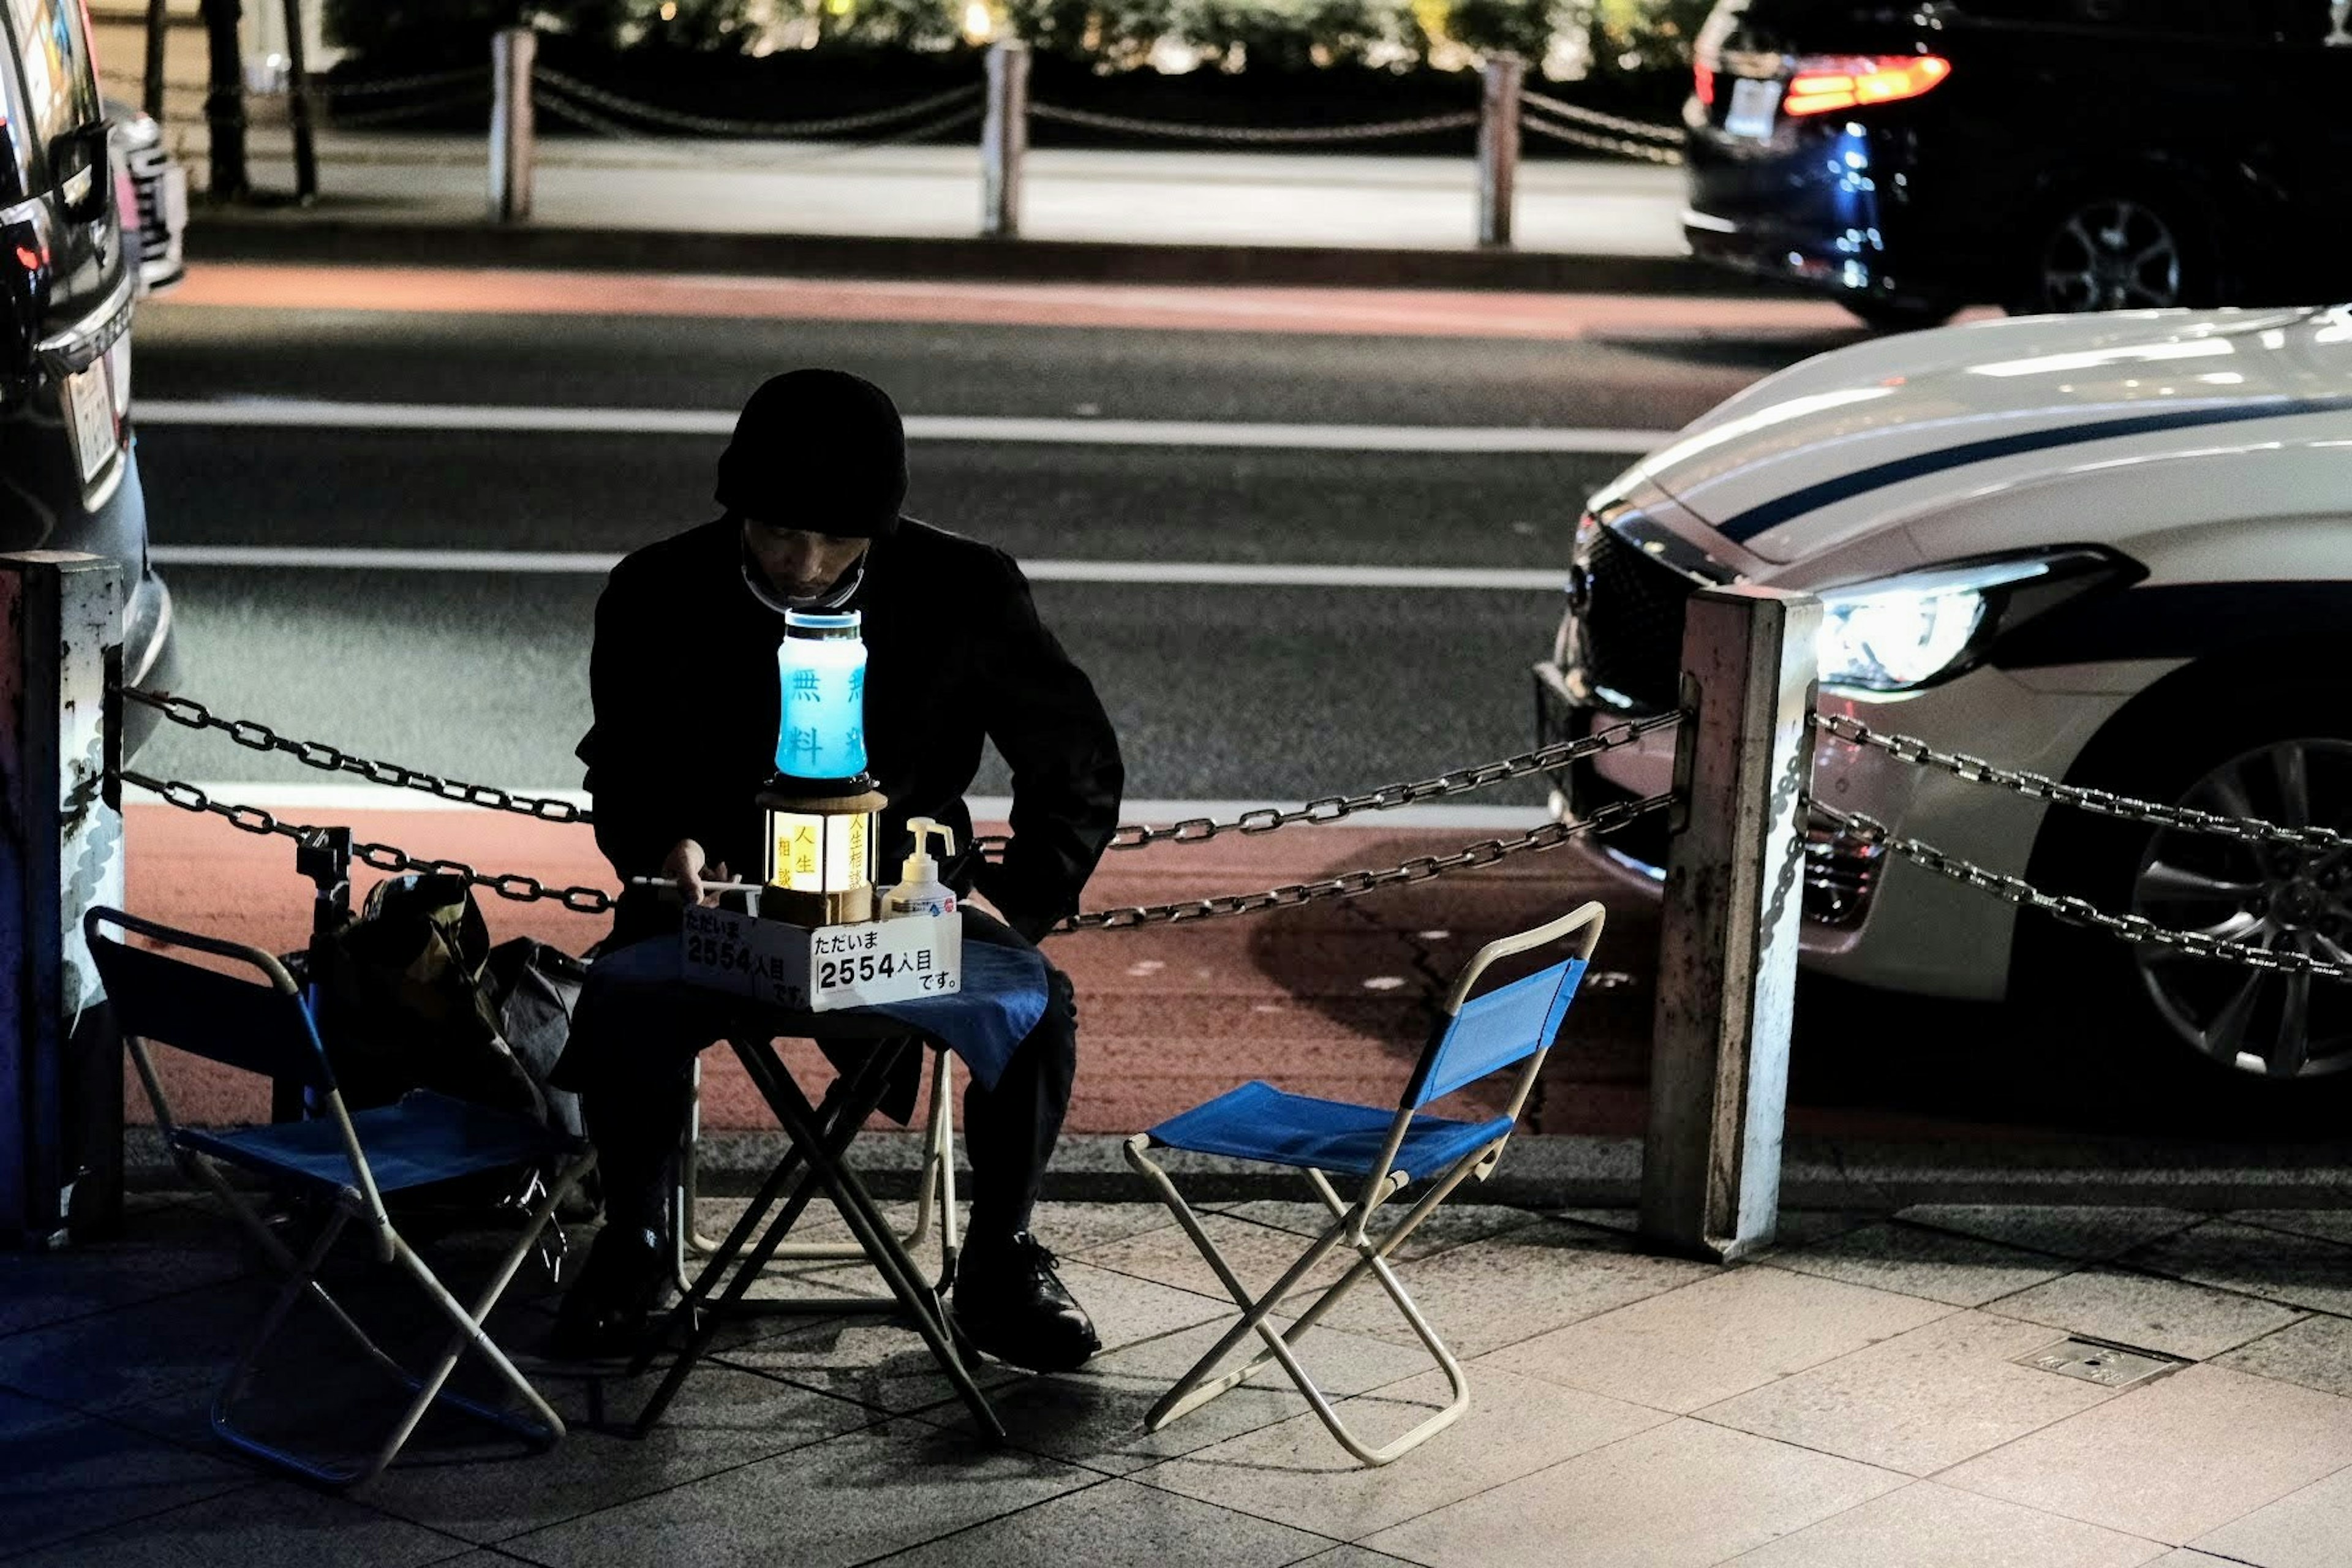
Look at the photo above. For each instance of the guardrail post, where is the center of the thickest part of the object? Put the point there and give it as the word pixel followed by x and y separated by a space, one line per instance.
pixel 60 1063
pixel 1727 943
pixel 1498 147
pixel 514 134
pixel 1003 140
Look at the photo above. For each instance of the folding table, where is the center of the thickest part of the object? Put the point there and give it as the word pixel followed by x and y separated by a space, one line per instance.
pixel 999 983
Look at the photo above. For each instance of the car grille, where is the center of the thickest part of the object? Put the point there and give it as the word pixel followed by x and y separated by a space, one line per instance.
pixel 1629 636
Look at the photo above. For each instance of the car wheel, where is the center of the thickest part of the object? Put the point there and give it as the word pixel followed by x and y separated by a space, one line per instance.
pixel 2281 898
pixel 2115 251
pixel 2285 762
pixel 1904 313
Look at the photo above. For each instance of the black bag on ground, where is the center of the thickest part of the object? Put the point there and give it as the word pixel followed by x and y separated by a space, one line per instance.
pixel 534 987
pixel 412 995
pixel 404 1002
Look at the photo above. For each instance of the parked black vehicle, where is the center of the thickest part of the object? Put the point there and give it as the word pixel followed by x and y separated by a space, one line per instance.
pixel 70 274
pixel 2038 154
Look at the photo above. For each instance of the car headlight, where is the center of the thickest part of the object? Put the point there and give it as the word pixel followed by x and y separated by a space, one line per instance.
pixel 1901 633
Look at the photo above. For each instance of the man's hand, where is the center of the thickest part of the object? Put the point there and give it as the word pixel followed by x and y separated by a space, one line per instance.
pixel 686 865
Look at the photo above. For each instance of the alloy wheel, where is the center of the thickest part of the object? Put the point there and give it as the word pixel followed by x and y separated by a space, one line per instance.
pixel 2111 255
pixel 2277 897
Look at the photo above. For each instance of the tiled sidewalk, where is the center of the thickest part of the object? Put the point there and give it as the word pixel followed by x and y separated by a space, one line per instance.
pixel 1860 1396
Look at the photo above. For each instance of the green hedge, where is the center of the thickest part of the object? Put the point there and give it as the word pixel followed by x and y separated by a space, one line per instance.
pixel 1283 35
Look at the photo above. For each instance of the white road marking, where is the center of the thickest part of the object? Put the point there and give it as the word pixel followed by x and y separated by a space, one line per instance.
pixel 298 414
pixel 272 796
pixel 1194 573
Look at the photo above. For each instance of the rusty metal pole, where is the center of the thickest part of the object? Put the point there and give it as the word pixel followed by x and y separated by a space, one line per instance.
pixel 1728 941
pixel 1003 140
pixel 1498 147
pixel 61 851
pixel 514 130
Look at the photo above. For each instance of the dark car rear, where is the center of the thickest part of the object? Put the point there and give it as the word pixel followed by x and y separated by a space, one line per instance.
pixel 69 479
pixel 2040 155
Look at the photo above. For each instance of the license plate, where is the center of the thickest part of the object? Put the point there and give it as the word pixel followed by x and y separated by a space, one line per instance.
pixel 89 418
pixel 1753 104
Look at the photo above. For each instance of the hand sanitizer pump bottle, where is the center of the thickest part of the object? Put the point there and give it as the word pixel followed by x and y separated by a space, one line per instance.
pixel 919 890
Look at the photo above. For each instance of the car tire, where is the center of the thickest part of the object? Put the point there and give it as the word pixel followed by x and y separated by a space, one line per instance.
pixel 2116 247
pixel 1900 313
pixel 2180 1024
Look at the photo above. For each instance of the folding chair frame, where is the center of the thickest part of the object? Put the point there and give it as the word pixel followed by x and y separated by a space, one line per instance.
pixel 357 1201
pixel 1350 1227
pixel 935 1201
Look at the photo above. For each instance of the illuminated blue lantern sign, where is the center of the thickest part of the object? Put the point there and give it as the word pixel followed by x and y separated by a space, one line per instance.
pixel 822 666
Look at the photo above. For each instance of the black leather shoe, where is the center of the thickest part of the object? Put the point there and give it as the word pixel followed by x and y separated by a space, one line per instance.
pixel 1011 1303
pixel 605 1313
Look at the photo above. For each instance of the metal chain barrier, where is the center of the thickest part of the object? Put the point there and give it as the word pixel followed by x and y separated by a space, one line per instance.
pixel 379 87
pixel 1600 144
pixel 750 130
pixel 512 885
pixel 1593 118
pixel 2100 801
pixel 1353 884
pixel 476 97
pixel 254 735
pixel 2071 910
pixel 1246 136
pixel 743 155
pixel 1332 808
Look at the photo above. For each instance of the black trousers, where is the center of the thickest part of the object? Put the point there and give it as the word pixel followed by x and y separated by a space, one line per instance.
pixel 637 1028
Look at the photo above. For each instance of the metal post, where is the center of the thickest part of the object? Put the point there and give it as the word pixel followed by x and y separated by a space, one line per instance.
pixel 514 146
pixel 1728 944
pixel 228 178
pixel 323 854
pixel 159 22
pixel 1003 140
pixel 298 107
pixel 60 1065
pixel 1498 147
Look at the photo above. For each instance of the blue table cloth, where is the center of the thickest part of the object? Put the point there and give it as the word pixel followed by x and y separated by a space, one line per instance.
pixel 1003 997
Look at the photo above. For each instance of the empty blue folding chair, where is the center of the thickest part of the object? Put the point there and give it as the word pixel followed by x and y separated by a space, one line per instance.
pixel 1511 1026
pixel 350 1160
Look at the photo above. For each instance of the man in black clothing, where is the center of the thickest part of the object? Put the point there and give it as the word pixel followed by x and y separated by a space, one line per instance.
pixel 683 678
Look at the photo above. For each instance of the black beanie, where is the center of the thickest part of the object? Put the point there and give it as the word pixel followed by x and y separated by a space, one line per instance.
pixel 820 450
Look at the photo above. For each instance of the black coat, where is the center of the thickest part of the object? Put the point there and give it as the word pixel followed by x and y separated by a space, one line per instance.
pixel 683 678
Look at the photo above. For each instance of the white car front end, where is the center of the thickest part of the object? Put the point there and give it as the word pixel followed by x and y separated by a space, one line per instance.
pixel 2017 527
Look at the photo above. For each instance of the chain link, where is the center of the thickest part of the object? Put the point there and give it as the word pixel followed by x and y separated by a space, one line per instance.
pixel 1245 135
pixel 1352 884
pixel 675 154
pixel 472 97
pixel 511 885
pixel 2071 910
pixel 1600 144
pixel 1576 114
pixel 1388 797
pixel 255 735
pixel 761 130
pixel 379 87
pixel 2100 801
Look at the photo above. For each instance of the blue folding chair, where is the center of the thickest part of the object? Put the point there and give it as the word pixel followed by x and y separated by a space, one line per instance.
pixel 1512 1024
pixel 350 1160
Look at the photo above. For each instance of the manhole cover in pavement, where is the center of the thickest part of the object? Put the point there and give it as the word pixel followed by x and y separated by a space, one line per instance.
pixel 2110 1366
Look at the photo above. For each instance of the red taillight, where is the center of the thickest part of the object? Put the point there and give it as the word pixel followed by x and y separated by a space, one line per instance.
pixel 1834 82
pixel 1704 78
